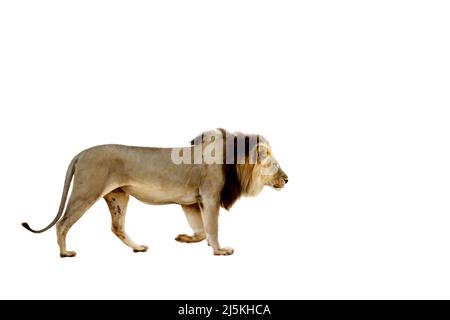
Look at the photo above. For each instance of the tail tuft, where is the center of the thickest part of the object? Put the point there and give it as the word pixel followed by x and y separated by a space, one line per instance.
pixel 26 226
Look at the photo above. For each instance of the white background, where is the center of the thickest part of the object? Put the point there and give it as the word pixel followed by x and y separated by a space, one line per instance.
pixel 353 96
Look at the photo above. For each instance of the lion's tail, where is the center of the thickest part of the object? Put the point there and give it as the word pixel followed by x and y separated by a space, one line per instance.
pixel 69 175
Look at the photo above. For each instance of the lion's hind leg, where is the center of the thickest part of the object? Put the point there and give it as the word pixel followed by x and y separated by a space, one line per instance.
pixel 194 218
pixel 117 201
pixel 76 207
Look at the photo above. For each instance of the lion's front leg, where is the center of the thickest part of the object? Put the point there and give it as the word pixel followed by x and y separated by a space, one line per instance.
pixel 210 215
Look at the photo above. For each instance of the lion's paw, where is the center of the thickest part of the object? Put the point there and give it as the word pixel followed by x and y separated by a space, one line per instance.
pixel 140 249
pixel 68 254
pixel 183 238
pixel 223 252
pixel 190 239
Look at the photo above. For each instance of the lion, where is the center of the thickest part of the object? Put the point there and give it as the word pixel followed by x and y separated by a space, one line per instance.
pixel 216 170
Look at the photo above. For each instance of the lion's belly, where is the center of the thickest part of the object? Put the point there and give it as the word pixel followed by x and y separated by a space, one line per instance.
pixel 159 195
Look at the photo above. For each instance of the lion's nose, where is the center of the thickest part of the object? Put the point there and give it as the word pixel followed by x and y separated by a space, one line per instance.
pixel 286 180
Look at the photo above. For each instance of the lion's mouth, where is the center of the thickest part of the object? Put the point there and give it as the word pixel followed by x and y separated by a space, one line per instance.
pixel 278 186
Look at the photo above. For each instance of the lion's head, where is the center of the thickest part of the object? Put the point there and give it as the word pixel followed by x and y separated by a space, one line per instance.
pixel 248 163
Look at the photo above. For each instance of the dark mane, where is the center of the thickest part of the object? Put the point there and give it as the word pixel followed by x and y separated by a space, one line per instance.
pixel 234 187
pixel 232 190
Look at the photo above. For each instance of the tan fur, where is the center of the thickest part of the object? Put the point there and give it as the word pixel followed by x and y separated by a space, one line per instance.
pixel 114 172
